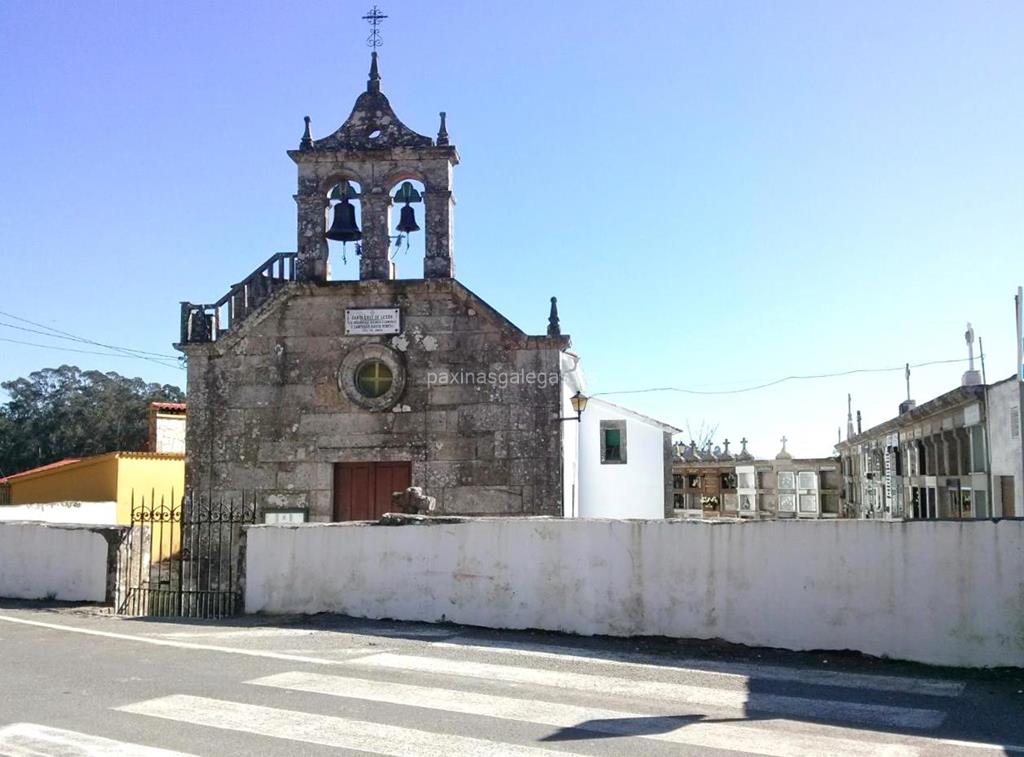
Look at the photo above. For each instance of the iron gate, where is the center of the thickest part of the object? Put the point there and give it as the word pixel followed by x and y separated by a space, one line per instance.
pixel 183 559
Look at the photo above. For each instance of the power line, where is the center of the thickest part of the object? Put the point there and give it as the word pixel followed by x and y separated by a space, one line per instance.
pixel 782 380
pixel 139 353
pixel 83 339
pixel 58 334
pixel 60 348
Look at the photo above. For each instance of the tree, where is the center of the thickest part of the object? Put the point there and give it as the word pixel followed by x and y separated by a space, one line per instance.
pixel 704 436
pixel 65 412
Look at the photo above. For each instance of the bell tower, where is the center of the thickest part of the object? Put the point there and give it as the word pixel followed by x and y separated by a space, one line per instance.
pixel 376 151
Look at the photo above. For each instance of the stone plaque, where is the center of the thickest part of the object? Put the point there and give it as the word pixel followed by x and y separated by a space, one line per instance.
pixel 373 321
pixel 285 515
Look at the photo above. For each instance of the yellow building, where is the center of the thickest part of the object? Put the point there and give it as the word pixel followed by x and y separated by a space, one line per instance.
pixel 126 478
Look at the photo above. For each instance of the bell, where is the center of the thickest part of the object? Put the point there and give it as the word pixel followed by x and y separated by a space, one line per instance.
pixel 344 228
pixel 407 223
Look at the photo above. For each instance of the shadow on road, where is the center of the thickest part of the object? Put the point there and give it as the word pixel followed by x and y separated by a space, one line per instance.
pixel 640 726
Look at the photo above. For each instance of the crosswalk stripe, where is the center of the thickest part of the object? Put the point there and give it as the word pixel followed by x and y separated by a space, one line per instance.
pixel 842 679
pixel 168 642
pixel 32 740
pixel 734 699
pixel 687 730
pixel 326 730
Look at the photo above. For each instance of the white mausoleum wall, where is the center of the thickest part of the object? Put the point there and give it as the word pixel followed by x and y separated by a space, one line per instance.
pixel 936 592
pixel 47 561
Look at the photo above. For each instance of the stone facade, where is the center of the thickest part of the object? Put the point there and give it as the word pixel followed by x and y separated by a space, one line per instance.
pixel 267 414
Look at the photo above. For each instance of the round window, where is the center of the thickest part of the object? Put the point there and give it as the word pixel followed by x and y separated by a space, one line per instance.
pixel 373 379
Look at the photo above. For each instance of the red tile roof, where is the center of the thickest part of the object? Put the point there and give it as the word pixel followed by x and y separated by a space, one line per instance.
pixel 58 464
pixel 93 458
pixel 177 407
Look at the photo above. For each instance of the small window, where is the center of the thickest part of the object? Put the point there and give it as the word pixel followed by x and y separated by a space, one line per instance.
pixel 612 445
pixel 977 449
pixel 613 441
pixel 373 378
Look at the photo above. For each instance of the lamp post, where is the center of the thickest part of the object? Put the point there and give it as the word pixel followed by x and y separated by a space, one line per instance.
pixel 579 404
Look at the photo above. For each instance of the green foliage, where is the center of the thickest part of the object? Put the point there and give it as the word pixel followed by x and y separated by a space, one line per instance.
pixel 65 412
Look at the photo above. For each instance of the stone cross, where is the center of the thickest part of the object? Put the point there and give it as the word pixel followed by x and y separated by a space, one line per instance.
pixel 784 440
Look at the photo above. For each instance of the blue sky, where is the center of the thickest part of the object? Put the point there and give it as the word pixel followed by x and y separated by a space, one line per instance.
pixel 720 194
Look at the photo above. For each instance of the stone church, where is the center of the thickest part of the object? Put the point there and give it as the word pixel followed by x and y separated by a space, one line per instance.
pixel 324 397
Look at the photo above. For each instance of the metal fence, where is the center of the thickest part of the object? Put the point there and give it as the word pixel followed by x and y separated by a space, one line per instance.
pixel 183 558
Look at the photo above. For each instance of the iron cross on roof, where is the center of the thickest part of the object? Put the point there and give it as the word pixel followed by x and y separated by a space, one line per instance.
pixel 374 18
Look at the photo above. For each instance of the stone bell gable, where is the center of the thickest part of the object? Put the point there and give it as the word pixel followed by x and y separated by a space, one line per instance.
pixel 473 405
pixel 376 150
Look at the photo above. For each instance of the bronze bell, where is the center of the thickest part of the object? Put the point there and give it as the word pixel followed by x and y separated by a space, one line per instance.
pixel 407 222
pixel 344 228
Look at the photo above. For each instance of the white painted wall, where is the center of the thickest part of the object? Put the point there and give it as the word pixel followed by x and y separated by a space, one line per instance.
pixel 932 591
pixel 47 561
pixel 634 489
pixel 91 513
pixel 572 382
pixel 1004 450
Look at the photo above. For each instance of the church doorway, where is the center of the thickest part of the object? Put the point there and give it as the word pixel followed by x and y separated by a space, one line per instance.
pixel 362 491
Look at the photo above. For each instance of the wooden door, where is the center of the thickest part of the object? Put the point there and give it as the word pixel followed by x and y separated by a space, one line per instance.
pixel 1006 495
pixel 362 491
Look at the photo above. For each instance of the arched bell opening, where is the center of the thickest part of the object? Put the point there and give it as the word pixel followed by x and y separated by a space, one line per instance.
pixel 344 229
pixel 407 226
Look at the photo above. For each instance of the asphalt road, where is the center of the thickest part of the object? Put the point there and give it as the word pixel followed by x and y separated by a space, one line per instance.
pixel 78 682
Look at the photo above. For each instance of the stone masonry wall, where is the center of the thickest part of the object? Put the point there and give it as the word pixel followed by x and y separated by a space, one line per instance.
pixel 266 414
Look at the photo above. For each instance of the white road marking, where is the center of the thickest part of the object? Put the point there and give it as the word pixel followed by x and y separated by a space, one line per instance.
pixel 1001 748
pixel 733 699
pixel 170 643
pixel 814 741
pixel 902 684
pixel 251 633
pixel 31 740
pixel 326 730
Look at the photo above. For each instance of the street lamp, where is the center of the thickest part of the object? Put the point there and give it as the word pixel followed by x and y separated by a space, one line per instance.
pixel 579 404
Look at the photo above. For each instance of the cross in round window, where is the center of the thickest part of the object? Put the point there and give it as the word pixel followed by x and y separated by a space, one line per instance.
pixel 373 379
